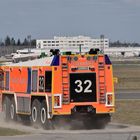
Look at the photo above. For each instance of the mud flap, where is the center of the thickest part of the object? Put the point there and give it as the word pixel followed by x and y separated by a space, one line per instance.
pixel 49 106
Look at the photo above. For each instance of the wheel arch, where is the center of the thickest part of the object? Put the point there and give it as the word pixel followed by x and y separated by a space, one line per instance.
pixel 39 98
pixel 10 99
pixel 48 100
pixel 9 95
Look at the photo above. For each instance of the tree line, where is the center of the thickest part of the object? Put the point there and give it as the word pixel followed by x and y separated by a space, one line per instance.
pixel 10 41
pixel 123 44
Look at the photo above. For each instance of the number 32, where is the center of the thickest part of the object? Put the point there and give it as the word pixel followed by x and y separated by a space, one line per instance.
pixel 80 87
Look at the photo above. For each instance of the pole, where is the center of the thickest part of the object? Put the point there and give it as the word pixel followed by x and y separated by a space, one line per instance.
pixel 102 43
pixel 29 40
pixel 80 49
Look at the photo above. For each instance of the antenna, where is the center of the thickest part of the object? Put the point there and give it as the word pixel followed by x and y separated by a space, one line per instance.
pixel 29 40
pixel 102 42
pixel 80 49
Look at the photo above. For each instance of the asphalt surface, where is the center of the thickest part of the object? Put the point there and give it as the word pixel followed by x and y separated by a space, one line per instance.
pixel 124 136
pixel 114 132
pixel 128 96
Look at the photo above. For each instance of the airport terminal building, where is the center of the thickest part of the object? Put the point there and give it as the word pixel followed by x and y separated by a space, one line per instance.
pixel 73 44
pixel 84 41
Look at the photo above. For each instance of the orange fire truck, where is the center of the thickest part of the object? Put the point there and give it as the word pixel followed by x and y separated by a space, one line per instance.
pixel 59 86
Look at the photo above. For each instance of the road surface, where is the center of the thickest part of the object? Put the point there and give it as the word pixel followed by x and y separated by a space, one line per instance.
pixel 112 132
pixel 127 95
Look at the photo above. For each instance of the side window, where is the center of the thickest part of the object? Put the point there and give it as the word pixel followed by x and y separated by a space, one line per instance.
pixel 7 80
pixel 34 80
pixel 1 80
pixel 48 81
pixel 41 83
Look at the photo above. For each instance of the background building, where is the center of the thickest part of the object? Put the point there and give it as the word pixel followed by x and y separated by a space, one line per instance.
pixel 43 46
pixel 76 41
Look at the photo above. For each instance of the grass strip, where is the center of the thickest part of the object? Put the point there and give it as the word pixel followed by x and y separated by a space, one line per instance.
pixel 127 111
pixel 10 132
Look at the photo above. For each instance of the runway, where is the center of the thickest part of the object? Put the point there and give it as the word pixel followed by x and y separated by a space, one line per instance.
pixel 112 132
pixel 127 96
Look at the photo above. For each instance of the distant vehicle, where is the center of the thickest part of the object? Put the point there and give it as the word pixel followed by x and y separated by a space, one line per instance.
pixel 24 55
pixel 60 86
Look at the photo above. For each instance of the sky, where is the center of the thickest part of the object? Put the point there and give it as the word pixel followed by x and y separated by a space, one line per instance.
pixel 42 19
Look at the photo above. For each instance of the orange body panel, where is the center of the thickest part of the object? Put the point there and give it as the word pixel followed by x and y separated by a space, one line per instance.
pixel 57 82
pixel 18 82
pixel 109 79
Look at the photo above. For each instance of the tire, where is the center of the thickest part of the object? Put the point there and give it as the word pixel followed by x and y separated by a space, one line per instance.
pixel 35 114
pixel 102 121
pixel 45 122
pixel 6 109
pixel 89 124
pixel 13 115
pixel 62 122
pixel 96 122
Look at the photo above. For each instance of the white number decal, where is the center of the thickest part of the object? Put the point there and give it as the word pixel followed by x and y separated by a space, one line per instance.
pixel 80 87
pixel 79 82
pixel 87 89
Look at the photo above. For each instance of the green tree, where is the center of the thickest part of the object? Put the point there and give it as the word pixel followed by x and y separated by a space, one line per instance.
pixel 7 41
pixel 25 42
pixel 33 42
pixel 18 42
pixel 1 42
pixel 12 42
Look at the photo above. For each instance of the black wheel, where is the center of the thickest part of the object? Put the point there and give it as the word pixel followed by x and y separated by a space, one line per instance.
pixel 102 120
pixel 13 115
pixel 62 122
pixel 6 109
pixel 45 122
pixel 35 114
pixel 96 122
pixel 101 123
pixel 89 124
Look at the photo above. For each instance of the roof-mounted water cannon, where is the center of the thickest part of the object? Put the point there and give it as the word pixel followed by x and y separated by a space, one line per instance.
pixel 55 51
pixel 94 51
pixel 102 42
pixel 80 49
pixel 67 53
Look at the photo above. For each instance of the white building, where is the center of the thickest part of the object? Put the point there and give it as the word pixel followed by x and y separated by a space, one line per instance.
pixel 84 41
pixel 72 44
